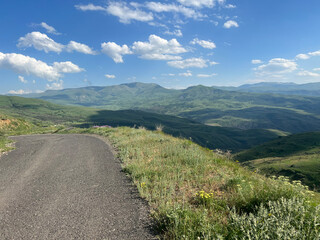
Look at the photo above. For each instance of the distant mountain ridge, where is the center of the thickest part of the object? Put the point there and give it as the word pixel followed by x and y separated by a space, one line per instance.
pixel 208 105
pixel 308 89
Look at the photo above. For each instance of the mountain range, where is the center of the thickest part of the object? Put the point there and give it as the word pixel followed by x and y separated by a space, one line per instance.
pixel 208 105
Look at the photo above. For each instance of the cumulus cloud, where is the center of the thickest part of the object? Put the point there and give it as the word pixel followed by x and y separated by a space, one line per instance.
pixel 186 74
pixel 176 32
pixel 308 74
pixel 204 43
pixel 230 24
pixel 90 7
pixel 26 65
pixel 110 76
pixel 158 48
pixel 55 85
pixel 198 3
pixel 316 53
pixel 256 61
pixel 316 69
pixel 66 67
pixel 115 51
pixel 39 41
pixel 21 79
pixel 302 56
pixel 19 92
pixel 189 63
pixel 79 47
pixel 277 66
pixel 49 28
pixel 164 7
pixel 42 42
pixel 127 14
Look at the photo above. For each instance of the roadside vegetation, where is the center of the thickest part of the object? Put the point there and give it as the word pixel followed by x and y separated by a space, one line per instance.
pixel 197 193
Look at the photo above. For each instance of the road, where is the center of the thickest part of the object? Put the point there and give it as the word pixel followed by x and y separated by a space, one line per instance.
pixel 68 187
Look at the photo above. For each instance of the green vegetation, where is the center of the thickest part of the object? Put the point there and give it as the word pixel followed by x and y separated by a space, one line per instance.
pixel 191 190
pixel 207 105
pixel 42 113
pixel 296 156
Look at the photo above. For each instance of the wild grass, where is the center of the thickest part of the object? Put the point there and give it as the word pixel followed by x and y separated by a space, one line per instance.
pixel 191 190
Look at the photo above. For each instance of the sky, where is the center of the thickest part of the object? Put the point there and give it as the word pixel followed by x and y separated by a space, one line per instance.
pixel 57 44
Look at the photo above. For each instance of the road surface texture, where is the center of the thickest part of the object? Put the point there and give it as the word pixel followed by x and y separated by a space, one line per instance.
pixel 68 187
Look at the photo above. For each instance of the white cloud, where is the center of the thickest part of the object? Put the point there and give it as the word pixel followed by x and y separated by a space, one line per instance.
pixel 230 24
pixel 110 76
pixel 26 65
pixel 316 69
pixel 121 10
pixel 21 79
pixel 308 74
pixel 66 67
pixel 163 7
pixel 49 28
pixel 19 92
pixel 127 14
pixel 256 61
pixel 186 74
pixel 39 41
pixel 213 63
pixel 90 7
pixel 206 75
pixel 277 66
pixel 158 49
pixel 230 6
pixel 316 53
pixel 55 85
pixel 176 32
pixel 115 51
pixel 198 3
pixel 189 63
pixel 79 47
pixel 302 56
pixel 204 43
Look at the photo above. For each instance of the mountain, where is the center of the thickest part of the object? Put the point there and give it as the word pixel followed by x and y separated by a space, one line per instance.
pixel 296 156
pixel 43 113
pixel 308 89
pixel 207 105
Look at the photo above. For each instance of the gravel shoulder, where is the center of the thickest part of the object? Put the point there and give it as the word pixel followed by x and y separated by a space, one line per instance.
pixel 68 187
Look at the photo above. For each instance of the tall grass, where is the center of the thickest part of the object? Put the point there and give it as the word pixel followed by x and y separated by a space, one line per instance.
pixel 191 189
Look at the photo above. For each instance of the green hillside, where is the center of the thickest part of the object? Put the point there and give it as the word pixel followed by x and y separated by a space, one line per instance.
pixel 43 113
pixel 190 191
pixel 296 156
pixel 207 105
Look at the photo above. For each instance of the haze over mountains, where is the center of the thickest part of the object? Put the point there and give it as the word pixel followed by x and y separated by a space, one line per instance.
pixel 208 105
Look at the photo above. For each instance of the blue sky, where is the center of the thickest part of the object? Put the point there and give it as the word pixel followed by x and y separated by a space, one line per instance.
pixel 55 44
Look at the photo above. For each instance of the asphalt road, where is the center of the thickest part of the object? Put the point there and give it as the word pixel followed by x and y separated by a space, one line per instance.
pixel 68 187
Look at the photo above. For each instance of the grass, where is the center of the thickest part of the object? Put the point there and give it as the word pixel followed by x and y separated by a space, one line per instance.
pixel 191 190
pixel 295 156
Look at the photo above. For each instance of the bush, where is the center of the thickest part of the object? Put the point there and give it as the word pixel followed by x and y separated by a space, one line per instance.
pixel 285 219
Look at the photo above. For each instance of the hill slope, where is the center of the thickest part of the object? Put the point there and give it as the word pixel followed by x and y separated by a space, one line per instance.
pixel 44 113
pixel 296 156
pixel 204 104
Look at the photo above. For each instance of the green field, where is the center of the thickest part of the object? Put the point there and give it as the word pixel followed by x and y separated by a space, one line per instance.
pixel 207 105
pixel 42 113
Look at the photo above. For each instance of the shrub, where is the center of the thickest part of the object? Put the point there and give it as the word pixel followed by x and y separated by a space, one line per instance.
pixel 290 219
